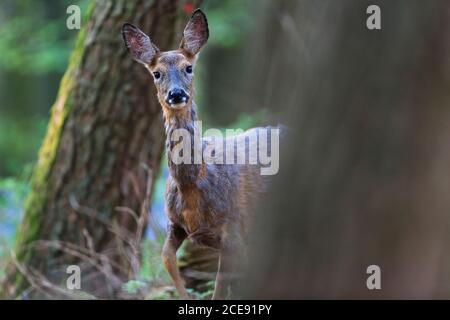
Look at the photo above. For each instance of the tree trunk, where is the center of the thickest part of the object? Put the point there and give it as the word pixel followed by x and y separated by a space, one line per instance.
pixel 92 182
pixel 366 178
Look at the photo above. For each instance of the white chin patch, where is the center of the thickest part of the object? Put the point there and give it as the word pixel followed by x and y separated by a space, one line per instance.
pixel 178 105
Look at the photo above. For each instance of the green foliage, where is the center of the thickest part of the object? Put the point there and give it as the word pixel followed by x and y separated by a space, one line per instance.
pixel 133 286
pixel 34 37
pixel 152 269
pixel 19 141
pixel 228 20
pixel 12 193
pixel 34 42
pixel 163 295
pixel 206 294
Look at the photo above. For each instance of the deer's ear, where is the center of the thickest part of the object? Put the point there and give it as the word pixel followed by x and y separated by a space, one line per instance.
pixel 195 33
pixel 138 44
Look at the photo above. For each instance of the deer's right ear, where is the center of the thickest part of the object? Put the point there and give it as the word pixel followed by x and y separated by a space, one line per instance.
pixel 138 44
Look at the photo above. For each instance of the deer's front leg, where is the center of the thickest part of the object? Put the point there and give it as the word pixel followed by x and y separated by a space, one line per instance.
pixel 175 238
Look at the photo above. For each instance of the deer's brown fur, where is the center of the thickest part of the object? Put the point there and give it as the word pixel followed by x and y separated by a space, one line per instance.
pixel 210 204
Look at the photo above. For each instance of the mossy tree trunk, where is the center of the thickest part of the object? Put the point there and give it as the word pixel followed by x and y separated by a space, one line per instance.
pixel 103 146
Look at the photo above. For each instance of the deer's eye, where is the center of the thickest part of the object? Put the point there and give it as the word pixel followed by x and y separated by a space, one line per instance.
pixel 189 69
pixel 157 75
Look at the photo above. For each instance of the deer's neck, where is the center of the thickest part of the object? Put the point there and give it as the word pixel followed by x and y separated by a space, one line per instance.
pixel 185 174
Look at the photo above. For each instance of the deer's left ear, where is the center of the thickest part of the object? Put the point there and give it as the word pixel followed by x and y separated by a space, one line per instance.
pixel 195 33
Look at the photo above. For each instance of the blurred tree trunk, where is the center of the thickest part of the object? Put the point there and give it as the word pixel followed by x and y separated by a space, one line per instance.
pixel 198 266
pixel 366 179
pixel 102 149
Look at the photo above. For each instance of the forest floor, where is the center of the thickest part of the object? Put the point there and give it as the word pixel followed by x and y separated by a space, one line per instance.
pixel 151 280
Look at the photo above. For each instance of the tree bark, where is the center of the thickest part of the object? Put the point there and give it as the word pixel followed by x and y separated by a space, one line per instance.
pixel 102 149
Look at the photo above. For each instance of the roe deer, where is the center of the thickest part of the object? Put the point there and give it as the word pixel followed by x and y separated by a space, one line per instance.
pixel 208 203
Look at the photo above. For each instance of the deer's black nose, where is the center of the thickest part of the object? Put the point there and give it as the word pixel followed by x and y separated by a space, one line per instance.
pixel 176 96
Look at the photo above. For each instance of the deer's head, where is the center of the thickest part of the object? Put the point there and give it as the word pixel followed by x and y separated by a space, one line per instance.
pixel 173 71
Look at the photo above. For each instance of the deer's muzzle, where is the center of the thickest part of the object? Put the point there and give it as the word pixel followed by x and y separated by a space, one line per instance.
pixel 176 97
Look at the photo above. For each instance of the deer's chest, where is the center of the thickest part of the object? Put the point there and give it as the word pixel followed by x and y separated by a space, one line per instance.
pixel 190 210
